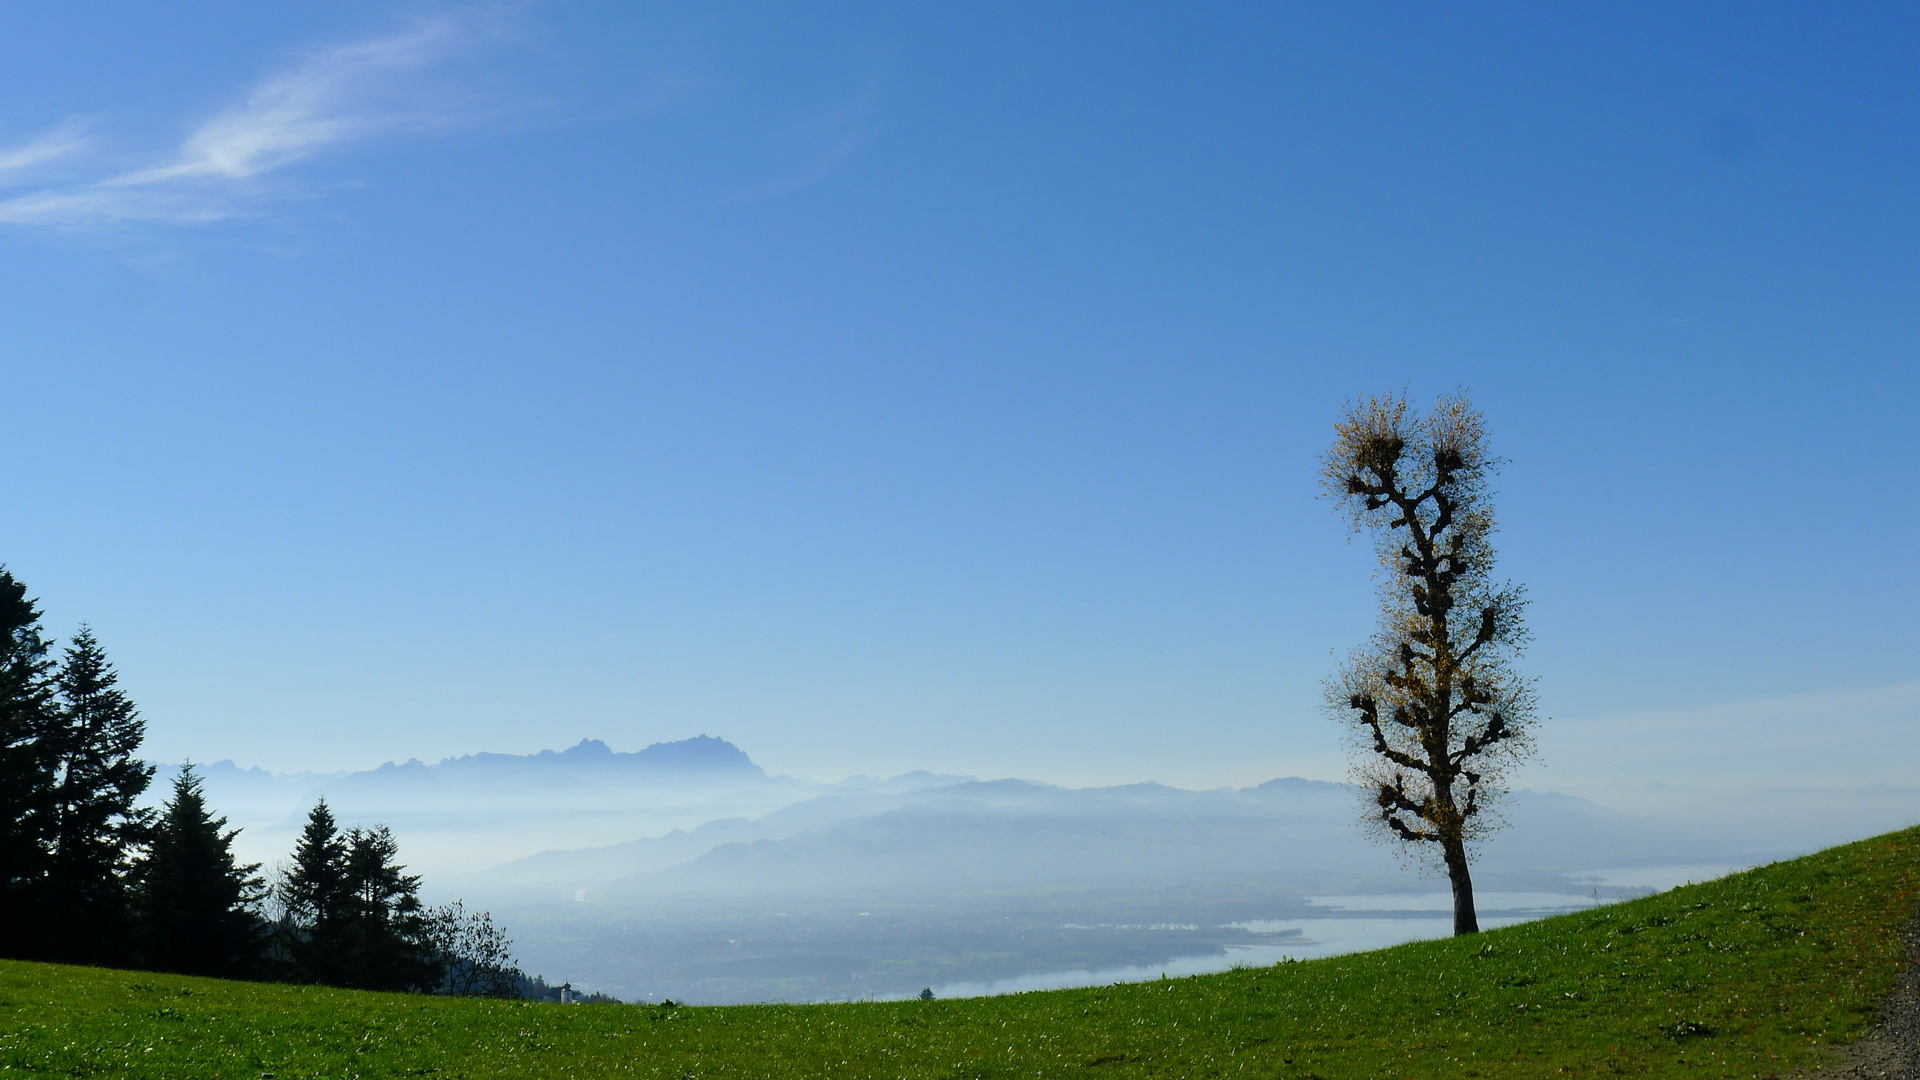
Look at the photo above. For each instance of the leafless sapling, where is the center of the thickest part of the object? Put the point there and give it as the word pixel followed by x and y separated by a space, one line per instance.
pixel 1436 711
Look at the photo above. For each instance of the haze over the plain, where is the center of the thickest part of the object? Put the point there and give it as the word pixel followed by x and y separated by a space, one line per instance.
pixel 685 870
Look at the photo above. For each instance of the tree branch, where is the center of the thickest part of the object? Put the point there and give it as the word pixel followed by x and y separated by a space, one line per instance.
pixel 1489 626
pixel 1496 731
pixel 1393 800
pixel 1369 711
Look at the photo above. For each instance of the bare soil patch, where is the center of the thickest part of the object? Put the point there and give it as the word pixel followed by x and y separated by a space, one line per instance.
pixel 1891 1051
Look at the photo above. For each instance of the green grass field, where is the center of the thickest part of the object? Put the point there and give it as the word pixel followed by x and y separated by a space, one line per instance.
pixel 1746 976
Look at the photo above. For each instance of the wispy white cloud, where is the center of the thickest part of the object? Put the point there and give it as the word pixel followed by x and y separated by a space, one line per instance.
pixel 816 146
pixel 327 100
pixel 1840 739
pixel 49 146
pixel 1773 776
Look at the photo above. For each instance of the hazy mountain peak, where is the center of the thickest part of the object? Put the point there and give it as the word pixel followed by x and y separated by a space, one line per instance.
pixel 699 752
pixel 1294 783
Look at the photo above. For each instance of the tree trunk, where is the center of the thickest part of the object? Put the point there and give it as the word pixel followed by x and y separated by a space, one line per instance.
pixel 1465 921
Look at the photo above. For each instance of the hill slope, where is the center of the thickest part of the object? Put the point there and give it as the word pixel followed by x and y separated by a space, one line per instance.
pixel 1750 975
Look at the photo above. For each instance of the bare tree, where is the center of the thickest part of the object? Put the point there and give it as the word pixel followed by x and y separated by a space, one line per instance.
pixel 475 955
pixel 1437 713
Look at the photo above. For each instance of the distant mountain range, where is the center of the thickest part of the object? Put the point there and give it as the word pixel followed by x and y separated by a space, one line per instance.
pixel 699 760
pixel 697 817
pixel 956 836
pixel 686 861
pixel 848 889
pixel 468 812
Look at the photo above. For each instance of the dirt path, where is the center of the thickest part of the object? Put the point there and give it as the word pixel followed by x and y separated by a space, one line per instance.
pixel 1890 1051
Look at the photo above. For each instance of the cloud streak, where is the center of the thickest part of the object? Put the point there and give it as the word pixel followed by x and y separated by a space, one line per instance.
pixel 329 99
pixel 1814 740
pixel 815 147
pixel 53 145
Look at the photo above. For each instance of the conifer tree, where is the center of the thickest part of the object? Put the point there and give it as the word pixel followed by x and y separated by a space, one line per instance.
pixel 26 706
pixel 94 822
pixel 196 910
pixel 314 894
pixel 387 930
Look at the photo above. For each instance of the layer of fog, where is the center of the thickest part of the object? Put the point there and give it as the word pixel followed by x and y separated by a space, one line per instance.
pixel 684 870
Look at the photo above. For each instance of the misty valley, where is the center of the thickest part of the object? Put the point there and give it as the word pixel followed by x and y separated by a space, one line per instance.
pixel 685 871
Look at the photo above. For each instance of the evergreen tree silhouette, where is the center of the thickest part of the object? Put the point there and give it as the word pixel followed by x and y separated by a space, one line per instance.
pixel 353 914
pixel 94 821
pixel 196 910
pixel 386 929
pixel 26 780
pixel 315 897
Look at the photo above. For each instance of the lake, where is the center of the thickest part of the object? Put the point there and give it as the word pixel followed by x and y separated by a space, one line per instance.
pixel 1359 924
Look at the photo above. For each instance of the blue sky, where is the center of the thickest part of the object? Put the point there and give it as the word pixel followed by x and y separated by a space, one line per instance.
pixel 896 387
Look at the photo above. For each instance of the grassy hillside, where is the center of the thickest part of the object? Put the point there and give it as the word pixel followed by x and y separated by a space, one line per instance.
pixel 1744 977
